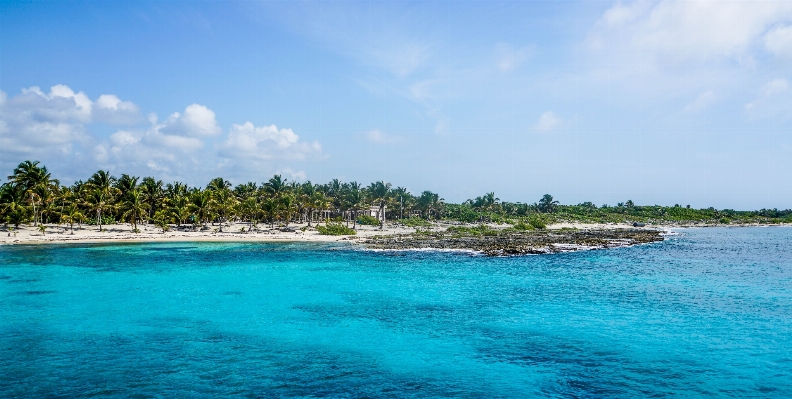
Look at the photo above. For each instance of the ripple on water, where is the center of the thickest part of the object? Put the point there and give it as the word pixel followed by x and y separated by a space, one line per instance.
pixel 706 313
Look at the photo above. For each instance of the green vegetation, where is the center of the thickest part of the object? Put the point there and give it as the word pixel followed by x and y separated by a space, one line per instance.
pixel 335 229
pixel 480 230
pixel 32 196
pixel 367 220
pixel 414 222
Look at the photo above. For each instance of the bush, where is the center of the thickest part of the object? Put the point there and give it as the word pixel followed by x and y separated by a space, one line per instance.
pixel 522 226
pixel 368 220
pixel 415 222
pixel 335 229
pixel 537 223
pixel 481 229
pixel 105 220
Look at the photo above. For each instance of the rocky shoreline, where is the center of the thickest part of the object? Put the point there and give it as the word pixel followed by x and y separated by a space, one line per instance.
pixel 513 243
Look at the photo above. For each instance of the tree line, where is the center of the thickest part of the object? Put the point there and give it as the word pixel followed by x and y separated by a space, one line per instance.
pixel 32 195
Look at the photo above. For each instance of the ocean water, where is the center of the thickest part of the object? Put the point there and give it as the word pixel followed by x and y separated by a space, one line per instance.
pixel 707 313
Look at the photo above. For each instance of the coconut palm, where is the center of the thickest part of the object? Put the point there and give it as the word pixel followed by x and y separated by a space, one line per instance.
pixel 180 209
pixel 201 203
pixel 98 200
pixel 276 186
pixel 134 207
pixel 217 184
pixel 36 181
pixel 71 214
pixel 355 201
pixel 125 184
pixel 547 204
pixel 12 204
pixel 269 207
pixel 287 206
pixel 101 186
pixel 430 202
pixel 379 193
pixel 154 194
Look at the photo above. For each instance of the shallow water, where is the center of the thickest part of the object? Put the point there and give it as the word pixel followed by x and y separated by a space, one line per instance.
pixel 707 313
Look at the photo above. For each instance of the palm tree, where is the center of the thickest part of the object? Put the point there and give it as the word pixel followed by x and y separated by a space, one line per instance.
pixel 125 184
pixel 355 200
pixel 135 207
pixel 275 186
pixel 101 192
pixel 70 215
pixel 269 206
pixel 180 209
pixel 35 181
pixel 287 205
pixel 154 193
pixel 97 200
pixel 379 192
pixel 547 204
pixel 225 202
pixel 12 204
pixel 201 203
pixel 217 184
pixel 428 202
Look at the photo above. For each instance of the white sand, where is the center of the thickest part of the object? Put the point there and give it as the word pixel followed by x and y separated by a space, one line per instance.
pixel 123 232
pixel 27 234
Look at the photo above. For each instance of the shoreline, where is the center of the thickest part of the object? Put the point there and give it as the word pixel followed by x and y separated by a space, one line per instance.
pixel 28 235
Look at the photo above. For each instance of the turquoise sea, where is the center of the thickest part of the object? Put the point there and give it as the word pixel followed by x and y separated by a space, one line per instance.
pixel 706 313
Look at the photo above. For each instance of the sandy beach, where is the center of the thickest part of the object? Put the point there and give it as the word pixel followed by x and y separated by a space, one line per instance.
pixel 27 234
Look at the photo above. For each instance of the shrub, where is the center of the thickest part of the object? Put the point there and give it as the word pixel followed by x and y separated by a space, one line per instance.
pixel 537 223
pixel 414 222
pixel 335 229
pixel 481 229
pixel 368 220
pixel 522 226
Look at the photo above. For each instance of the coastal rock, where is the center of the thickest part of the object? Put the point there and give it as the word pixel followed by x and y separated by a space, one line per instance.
pixel 518 243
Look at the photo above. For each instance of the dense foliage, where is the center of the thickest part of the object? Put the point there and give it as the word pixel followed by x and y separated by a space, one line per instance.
pixel 32 195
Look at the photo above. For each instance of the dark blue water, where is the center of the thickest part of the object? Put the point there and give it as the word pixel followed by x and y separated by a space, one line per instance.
pixel 704 314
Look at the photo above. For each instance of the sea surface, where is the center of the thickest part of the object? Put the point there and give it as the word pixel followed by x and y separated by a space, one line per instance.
pixel 706 313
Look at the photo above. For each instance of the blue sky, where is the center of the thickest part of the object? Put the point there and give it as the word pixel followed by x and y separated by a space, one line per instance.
pixel 659 102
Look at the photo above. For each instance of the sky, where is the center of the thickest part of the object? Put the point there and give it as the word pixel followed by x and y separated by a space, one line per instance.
pixel 669 102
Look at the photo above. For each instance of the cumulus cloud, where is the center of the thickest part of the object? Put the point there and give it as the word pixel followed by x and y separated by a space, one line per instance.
pixel 701 102
pixel 197 121
pixel 267 142
pixel 376 136
pixel 55 127
pixel 548 121
pixel 34 122
pixel 109 108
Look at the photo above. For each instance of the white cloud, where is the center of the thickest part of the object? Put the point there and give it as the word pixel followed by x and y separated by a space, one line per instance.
pixel 770 89
pixel 197 121
pixel 267 142
pixel 675 31
pixel 34 123
pixel 779 41
pixel 509 57
pixel 621 14
pixel 55 128
pixel 292 175
pixel 701 102
pixel 109 108
pixel 548 121
pixel 376 136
